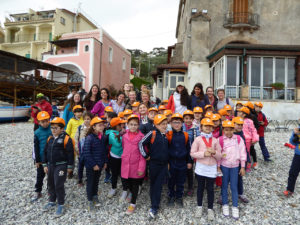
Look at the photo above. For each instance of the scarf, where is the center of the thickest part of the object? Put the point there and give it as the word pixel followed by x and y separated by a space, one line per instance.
pixel 206 135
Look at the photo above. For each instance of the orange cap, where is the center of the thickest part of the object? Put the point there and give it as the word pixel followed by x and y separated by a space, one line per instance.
pixel 198 110
pixel 43 115
pixel 177 116
pixel 159 118
pixel 127 112
pixel 245 110
pixel 116 121
pixel 238 120
pixel 167 112
pixel 133 116
pixel 188 112
pixel 165 101
pixel 121 114
pixel 57 120
pixel 215 117
pixel 96 120
pixel 153 109
pixel 208 106
pixel 223 112
pixel 77 107
pixel 259 104
pixel 162 107
pixel 135 104
pixel 227 107
pixel 239 103
pixel 208 115
pixel 108 109
pixel 249 105
pixel 228 123
pixel 207 122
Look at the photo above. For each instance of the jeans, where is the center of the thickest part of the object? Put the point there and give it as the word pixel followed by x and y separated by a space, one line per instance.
pixel 293 173
pixel 263 148
pixel 230 175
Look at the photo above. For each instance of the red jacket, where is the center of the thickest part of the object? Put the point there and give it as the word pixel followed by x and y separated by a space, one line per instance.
pixel 44 106
pixel 261 129
pixel 171 104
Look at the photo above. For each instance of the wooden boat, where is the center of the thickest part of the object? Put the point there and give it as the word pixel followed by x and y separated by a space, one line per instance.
pixel 11 113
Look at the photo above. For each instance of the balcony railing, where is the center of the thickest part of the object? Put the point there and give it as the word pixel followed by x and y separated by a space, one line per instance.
pixel 31 37
pixel 241 20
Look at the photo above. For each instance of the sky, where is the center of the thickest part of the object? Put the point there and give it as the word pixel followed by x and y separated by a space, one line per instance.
pixel 136 24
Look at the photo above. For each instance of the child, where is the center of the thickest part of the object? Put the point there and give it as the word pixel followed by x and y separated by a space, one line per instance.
pixel 229 110
pixel 145 128
pixel 217 131
pixel 158 156
pixel 238 130
pixel 127 113
pixel 168 113
pixel 223 113
pixel 295 166
pixel 208 115
pixel 75 122
pixel 116 150
pixel 135 108
pixel 198 111
pixel 161 109
pixel 180 160
pixel 133 164
pixel 58 160
pixel 55 112
pixel 209 108
pixel 193 131
pixel 165 103
pixel 237 107
pixel 95 159
pixel 143 111
pixel 262 120
pixel 233 154
pixel 249 131
pixel 40 139
pixel 207 151
pixel 79 143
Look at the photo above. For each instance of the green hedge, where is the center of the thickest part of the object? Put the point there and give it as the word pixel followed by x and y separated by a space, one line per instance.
pixel 137 82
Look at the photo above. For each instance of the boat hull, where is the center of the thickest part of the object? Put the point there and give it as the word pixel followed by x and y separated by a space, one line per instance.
pixel 10 113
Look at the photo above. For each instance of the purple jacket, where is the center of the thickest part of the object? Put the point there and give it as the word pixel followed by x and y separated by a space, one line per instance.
pixel 98 108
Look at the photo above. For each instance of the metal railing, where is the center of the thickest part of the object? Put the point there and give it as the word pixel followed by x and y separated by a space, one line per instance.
pixel 246 19
pixel 31 37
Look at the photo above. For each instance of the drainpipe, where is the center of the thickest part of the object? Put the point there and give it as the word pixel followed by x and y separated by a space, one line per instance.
pixel 101 46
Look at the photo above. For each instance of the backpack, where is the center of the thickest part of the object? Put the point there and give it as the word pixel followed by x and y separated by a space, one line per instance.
pixel 221 140
pixel 169 136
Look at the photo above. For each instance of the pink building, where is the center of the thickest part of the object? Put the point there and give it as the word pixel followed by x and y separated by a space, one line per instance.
pixel 94 55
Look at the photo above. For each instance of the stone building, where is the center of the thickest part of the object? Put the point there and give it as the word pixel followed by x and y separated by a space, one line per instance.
pixel 249 47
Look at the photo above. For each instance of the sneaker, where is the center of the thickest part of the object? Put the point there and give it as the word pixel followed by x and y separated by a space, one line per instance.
pixel 225 209
pixel 107 178
pixel 91 206
pixel 80 183
pixel 198 212
pixel 220 200
pixel 248 168
pixel 268 160
pixel 179 202
pixel 152 213
pixel 130 209
pixel 96 201
pixel 129 196
pixel 190 192
pixel 255 166
pixel 36 196
pixel 235 213
pixel 123 197
pixel 210 215
pixel 287 193
pixel 171 201
pixel 60 211
pixel 243 198
pixel 48 206
pixel 111 193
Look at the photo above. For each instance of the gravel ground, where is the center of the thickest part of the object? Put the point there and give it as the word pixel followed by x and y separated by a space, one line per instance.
pixel 17 178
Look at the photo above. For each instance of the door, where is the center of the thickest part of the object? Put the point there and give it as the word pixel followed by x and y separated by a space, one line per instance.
pixel 173 80
pixel 240 11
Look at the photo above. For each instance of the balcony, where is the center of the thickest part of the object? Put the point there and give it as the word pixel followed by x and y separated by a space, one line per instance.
pixel 242 21
pixel 31 37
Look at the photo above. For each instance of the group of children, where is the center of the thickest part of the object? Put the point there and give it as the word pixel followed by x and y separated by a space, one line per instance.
pixel 157 144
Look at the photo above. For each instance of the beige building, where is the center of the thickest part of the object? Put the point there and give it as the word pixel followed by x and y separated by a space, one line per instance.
pixel 250 48
pixel 28 34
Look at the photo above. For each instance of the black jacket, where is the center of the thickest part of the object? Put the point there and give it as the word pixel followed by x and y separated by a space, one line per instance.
pixel 146 128
pixel 55 153
pixel 206 102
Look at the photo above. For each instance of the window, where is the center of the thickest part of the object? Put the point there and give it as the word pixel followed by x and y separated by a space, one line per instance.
pixel 62 20
pixel 180 79
pixel 173 82
pixel 124 64
pixel 167 78
pixel 231 70
pixel 240 11
pixel 86 48
pixel 110 54
pixel 218 74
pixel 159 82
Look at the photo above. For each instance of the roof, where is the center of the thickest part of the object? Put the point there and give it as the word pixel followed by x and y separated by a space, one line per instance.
pixel 177 66
pixel 65 43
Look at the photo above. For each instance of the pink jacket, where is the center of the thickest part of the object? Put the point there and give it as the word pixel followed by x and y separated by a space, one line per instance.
pixel 199 147
pixel 132 160
pixel 233 153
pixel 250 131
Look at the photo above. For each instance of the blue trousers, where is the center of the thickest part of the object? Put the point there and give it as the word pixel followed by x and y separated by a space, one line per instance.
pixel 263 148
pixel 240 183
pixel 157 174
pixel 293 173
pixel 177 178
pixel 230 175
pixel 92 183
pixel 80 169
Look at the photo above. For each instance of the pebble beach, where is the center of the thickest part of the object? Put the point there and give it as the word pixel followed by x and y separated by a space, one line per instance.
pixel 263 187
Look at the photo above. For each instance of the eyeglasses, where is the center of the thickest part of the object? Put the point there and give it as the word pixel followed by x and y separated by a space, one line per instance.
pixel 54 128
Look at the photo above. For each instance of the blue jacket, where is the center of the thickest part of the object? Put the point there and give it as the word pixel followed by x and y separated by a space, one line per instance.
pixel 193 132
pixel 146 128
pixel 158 151
pixel 179 152
pixel 95 151
pixel 41 136
pixel 55 112
pixel 194 101
pixel 67 114
pixel 294 140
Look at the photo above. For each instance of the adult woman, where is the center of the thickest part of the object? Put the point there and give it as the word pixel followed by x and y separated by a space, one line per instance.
pixel 126 89
pixel 92 98
pixel 118 105
pixel 210 98
pixel 178 101
pixel 131 100
pixel 143 89
pixel 145 95
pixel 197 97
pixel 99 107
pixel 68 110
pixel 222 101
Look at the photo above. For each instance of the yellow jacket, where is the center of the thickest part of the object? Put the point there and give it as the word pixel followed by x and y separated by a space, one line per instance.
pixel 73 125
